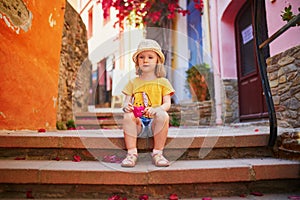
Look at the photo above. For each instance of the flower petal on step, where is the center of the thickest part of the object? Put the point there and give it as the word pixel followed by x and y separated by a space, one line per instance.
pixel 294 197
pixel 257 194
pixel 144 197
pixel 41 130
pixel 173 197
pixel 76 158
pixel 115 197
pixel 20 158
pixel 29 194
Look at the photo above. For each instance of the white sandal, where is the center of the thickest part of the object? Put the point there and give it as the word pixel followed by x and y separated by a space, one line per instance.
pixel 160 161
pixel 130 160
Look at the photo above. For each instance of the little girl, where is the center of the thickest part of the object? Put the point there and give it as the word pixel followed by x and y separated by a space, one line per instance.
pixel 147 100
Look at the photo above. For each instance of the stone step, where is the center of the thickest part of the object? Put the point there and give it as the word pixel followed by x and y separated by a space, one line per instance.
pixel 182 144
pixel 113 119
pixel 93 179
pixel 89 120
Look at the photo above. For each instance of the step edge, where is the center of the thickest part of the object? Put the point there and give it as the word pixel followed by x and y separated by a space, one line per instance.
pixel 49 172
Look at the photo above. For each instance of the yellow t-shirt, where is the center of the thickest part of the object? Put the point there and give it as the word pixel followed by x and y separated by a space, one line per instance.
pixel 154 90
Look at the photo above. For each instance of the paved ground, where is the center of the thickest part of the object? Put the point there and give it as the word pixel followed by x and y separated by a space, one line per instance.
pixel 252 197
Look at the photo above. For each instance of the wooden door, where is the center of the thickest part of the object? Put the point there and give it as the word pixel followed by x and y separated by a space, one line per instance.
pixel 251 99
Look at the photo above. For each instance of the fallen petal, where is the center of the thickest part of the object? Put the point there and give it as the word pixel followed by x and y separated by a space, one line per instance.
pixel 173 197
pixel 206 198
pixel 20 158
pixel 294 197
pixel 56 158
pixel 41 130
pixel 112 159
pixel 257 194
pixel 76 158
pixel 144 197
pixel 29 195
pixel 114 197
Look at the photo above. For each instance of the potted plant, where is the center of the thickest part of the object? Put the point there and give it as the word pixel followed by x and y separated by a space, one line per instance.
pixel 197 82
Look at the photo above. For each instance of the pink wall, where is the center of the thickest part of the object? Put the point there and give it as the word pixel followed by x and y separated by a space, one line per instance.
pixel 228 11
pixel 223 34
pixel 288 39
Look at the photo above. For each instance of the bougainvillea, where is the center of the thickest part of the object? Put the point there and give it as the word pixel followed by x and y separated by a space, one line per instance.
pixel 145 12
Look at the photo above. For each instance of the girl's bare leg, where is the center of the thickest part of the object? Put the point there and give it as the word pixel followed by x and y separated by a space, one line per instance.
pixel 160 129
pixel 160 132
pixel 131 127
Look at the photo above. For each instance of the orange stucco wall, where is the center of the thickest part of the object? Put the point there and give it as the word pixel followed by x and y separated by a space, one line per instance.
pixel 29 67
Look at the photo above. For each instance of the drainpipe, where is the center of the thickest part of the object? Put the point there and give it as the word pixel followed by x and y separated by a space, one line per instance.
pixel 216 62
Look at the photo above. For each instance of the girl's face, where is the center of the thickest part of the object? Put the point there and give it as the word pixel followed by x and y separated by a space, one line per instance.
pixel 147 61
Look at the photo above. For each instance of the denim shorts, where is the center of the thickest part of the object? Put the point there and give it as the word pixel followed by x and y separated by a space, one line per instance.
pixel 146 130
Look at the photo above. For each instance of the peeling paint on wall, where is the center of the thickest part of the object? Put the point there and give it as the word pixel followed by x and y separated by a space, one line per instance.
pixel 52 21
pixel 54 101
pixel 16 15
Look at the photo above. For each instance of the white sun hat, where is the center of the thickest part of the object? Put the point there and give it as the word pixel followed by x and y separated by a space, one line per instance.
pixel 149 45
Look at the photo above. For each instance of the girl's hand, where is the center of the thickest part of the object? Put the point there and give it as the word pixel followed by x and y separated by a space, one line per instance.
pixel 152 111
pixel 128 108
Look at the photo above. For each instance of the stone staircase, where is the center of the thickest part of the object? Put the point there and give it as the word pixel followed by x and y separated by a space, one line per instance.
pixel 207 161
pixel 103 120
pixel 111 118
pixel 187 114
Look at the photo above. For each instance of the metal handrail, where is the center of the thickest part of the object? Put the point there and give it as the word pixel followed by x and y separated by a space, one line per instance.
pixel 260 45
pixel 291 23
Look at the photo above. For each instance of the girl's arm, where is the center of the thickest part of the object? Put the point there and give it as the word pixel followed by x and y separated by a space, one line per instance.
pixel 128 107
pixel 166 104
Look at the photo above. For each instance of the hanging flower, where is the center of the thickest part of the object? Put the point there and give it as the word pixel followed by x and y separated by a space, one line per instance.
pixel 146 11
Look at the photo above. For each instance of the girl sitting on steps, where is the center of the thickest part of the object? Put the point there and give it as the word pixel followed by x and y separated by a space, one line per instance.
pixel 147 100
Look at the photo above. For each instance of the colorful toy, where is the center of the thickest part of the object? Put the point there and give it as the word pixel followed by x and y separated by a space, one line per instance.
pixel 140 103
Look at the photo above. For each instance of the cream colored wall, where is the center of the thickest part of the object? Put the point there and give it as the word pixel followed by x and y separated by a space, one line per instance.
pixel 74 4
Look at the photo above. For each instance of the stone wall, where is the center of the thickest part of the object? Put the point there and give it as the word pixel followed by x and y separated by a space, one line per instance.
pixel 284 76
pixel 231 98
pixel 75 68
pixel 197 114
